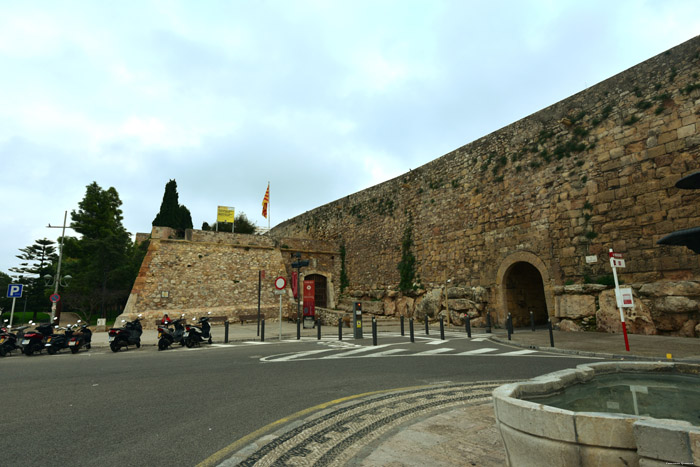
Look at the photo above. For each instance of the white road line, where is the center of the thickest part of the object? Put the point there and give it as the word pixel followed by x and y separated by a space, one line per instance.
pixel 433 352
pixel 517 352
pixel 386 352
pixel 255 342
pixel 357 351
pixel 478 351
pixel 300 355
pixel 436 342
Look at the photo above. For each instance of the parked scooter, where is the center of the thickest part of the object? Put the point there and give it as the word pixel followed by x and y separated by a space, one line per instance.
pixel 195 335
pixel 125 336
pixel 57 341
pixel 80 338
pixel 168 336
pixel 10 339
pixel 33 341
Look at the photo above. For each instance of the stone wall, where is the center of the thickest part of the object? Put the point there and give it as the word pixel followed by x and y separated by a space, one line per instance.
pixel 217 272
pixel 593 172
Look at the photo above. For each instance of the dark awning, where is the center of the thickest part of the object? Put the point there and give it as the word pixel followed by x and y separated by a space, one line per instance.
pixel 689 182
pixel 687 237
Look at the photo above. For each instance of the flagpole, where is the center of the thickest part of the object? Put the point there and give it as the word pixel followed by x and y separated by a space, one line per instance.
pixel 268 207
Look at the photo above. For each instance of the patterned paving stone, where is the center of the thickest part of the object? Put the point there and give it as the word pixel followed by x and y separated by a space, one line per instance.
pixel 333 437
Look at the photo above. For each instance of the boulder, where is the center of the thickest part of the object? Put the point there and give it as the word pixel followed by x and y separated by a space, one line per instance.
pixel 638 319
pixel 575 306
pixel 404 306
pixel 662 289
pixel 675 304
pixel 389 307
pixel 688 329
pixel 458 292
pixel 457 317
pixel 568 326
pixel 697 330
pixel 480 294
pixel 669 322
pixel 429 305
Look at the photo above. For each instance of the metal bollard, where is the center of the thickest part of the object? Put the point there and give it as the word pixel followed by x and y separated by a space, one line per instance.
pixel 442 329
pixel 262 330
pixel 510 323
pixel 427 330
pixel 488 322
pixel 551 334
pixel 374 331
pixel 508 326
pixel 318 329
pixel 402 333
pixel 340 329
pixel 298 329
pixel 532 321
pixel 226 332
pixel 468 325
pixel 410 329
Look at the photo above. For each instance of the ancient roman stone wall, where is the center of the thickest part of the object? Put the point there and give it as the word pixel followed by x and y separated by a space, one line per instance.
pixel 592 172
pixel 217 272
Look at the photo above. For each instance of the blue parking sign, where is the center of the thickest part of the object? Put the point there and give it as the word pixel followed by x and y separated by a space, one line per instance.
pixel 14 290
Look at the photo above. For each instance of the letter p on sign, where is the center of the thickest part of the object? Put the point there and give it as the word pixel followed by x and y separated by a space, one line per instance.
pixel 14 291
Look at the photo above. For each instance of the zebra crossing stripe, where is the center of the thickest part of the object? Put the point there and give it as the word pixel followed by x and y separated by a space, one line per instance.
pixel 387 352
pixel 433 352
pixel 300 355
pixel 357 351
pixel 478 351
pixel 436 342
pixel 517 352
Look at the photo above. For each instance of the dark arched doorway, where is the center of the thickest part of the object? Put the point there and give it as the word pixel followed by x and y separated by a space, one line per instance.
pixel 524 292
pixel 321 289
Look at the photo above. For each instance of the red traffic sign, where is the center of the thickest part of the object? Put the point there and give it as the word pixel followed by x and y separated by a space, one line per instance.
pixel 615 255
pixel 280 283
pixel 54 297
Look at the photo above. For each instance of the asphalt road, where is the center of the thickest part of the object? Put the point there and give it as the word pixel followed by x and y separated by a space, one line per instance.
pixel 178 407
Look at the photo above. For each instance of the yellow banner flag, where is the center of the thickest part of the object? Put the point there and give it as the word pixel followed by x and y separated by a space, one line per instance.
pixel 225 214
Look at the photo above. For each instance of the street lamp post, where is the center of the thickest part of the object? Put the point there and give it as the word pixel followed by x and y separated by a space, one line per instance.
pixel 58 280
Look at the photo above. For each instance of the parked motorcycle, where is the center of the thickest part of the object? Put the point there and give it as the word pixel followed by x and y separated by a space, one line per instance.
pixel 33 341
pixel 125 336
pixel 58 341
pixel 168 336
pixel 80 338
pixel 10 339
pixel 195 335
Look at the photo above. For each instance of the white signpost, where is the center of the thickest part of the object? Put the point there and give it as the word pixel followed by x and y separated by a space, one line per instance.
pixel 623 297
pixel 280 284
pixel 14 291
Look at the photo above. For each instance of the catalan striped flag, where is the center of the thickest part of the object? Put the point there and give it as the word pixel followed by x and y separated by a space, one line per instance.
pixel 266 201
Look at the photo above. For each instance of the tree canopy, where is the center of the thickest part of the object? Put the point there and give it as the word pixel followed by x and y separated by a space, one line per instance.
pixel 172 213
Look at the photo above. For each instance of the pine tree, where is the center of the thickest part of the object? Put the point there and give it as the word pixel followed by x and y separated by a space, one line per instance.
pixel 173 214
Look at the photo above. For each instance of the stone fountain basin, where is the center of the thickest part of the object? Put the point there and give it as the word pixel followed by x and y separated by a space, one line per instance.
pixel 535 434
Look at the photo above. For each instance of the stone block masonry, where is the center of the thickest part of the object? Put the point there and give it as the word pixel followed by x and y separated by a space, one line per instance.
pixel 217 272
pixel 524 209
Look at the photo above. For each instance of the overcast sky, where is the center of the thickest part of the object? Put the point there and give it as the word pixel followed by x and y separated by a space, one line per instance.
pixel 321 98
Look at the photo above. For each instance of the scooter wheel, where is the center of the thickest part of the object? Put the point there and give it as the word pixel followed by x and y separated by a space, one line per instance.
pixel 189 343
pixel 209 341
pixel 51 350
pixel 138 345
pixel 74 350
pixel 28 351
pixel 87 346
pixel 162 345
pixel 3 352
pixel 114 346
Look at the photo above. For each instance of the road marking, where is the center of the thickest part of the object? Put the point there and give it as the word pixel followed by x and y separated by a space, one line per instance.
pixel 433 352
pixel 357 351
pixel 437 342
pixel 386 352
pixel 298 355
pixel 255 342
pixel 516 352
pixel 478 351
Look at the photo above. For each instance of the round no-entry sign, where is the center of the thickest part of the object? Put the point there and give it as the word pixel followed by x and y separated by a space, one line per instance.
pixel 54 297
pixel 280 283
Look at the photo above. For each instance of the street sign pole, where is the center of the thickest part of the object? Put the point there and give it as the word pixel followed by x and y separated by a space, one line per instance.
pixel 12 312
pixel 613 264
pixel 280 284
